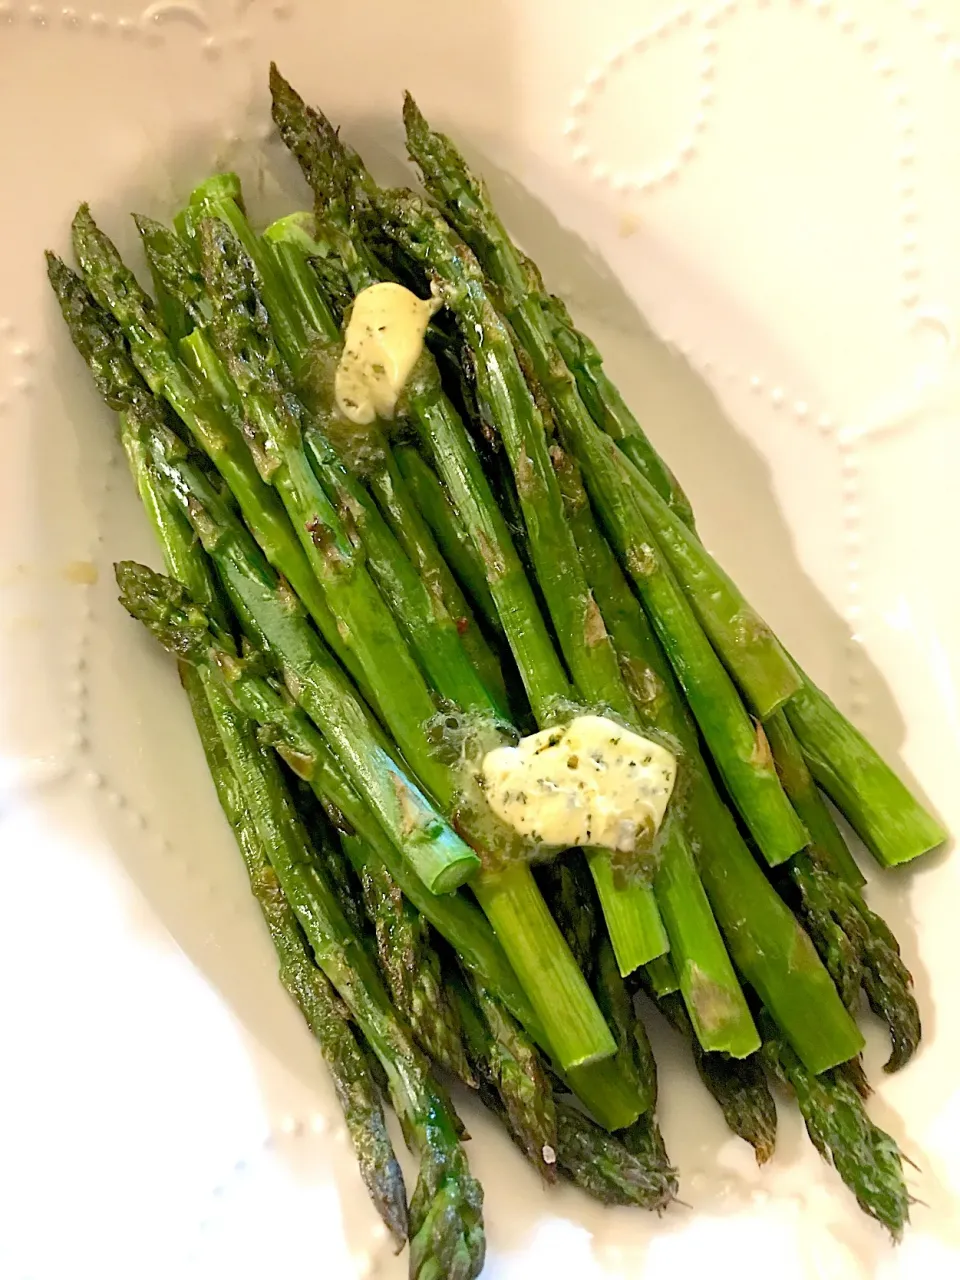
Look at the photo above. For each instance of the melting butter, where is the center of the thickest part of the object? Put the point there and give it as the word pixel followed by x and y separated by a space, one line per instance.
pixel 383 342
pixel 591 783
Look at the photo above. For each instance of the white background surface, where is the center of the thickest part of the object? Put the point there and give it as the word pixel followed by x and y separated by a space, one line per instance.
pixel 775 188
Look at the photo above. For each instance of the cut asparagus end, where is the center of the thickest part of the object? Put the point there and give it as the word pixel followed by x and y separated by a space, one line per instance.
pixel 894 826
pixel 297 229
pixel 662 976
pixel 631 914
pixel 607 1092
pixel 558 991
pixel 219 186
pixel 716 1004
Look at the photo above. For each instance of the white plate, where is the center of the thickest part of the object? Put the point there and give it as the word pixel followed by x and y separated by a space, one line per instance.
pixel 775 188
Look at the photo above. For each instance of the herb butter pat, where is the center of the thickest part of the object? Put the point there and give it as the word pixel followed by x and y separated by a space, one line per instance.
pixel 590 783
pixel 383 342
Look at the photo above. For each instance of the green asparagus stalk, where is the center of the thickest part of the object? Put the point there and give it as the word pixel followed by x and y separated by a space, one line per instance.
pixel 418 831
pixel 572 899
pixel 816 891
pixel 740 636
pixel 737 745
pixel 217 199
pixel 434 636
pixel 633 1047
pixel 606 405
pixel 891 823
pixel 409 965
pixel 327 1018
pixel 98 340
pixel 340 185
pixel 661 976
pixel 509 1067
pixel 454 542
pixel 867 1159
pixel 629 909
pixel 515 912
pixel 807 800
pixel 864 954
pixel 599 1163
pixel 378 468
pixel 302 306
pixel 739 1086
pixel 445 1224
pixel 707 979
pixel 506 891
pixel 183 629
pixel 856 945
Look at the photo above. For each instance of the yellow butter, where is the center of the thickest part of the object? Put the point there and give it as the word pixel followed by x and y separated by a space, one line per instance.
pixel 383 342
pixel 591 783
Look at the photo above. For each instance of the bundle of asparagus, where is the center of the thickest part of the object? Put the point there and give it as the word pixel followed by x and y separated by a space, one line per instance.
pixel 381 579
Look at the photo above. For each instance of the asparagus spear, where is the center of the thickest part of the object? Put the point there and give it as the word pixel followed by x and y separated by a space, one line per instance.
pixel 633 1047
pixel 630 1168
pixel 738 1085
pixel 856 945
pixel 341 186
pixel 720 851
pixel 322 817
pixel 629 908
pixel 409 965
pixel 310 988
pixel 607 1169
pixel 867 1159
pixel 513 1077
pixel 239 330
pixel 891 823
pixel 98 340
pixel 747 645
pixel 452 539
pixel 184 629
pixel 606 405
pixel 852 942
pixel 765 941
pixel 376 464
pixel 599 1163
pixel 219 198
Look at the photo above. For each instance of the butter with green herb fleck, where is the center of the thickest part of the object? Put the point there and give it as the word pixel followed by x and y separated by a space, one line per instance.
pixel 592 782
pixel 382 343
